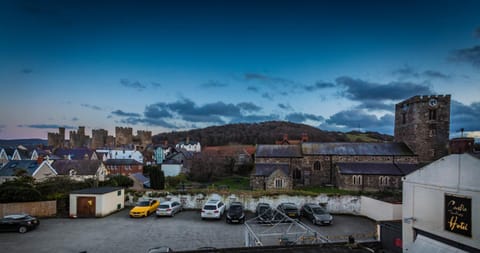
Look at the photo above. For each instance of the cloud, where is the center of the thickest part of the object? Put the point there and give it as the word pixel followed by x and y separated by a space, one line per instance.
pixel 121 113
pixel 359 90
pixel 249 107
pixel 252 89
pixel 93 107
pixel 148 121
pixel 74 119
pixel 376 105
pixel 46 126
pixel 285 106
pixel 409 72
pixel 464 116
pixel 267 95
pixel 156 85
pixel 467 55
pixel 255 118
pixel 26 71
pixel 214 84
pixel 156 111
pixel 134 85
pixel 318 86
pixel 358 119
pixel 302 117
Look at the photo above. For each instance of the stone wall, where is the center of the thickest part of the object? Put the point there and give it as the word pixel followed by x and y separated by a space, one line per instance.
pixel 123 136
pixel 369 182
pixel 99 138
pixel 39 208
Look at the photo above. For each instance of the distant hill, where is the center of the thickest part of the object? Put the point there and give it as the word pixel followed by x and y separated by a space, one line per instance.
pixel 265 133
pixel 23 142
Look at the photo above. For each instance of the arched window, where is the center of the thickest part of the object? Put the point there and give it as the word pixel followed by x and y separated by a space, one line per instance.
pixel 384 180
pixel 278 183
pixel 317 165
pixel 357 179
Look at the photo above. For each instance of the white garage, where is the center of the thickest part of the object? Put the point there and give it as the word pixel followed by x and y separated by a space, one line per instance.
pixel 96 202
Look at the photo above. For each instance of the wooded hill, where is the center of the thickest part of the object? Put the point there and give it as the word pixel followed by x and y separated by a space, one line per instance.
pixel 265 133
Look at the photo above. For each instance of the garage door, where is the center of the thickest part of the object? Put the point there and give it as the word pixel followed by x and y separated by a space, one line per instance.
pixel 86 206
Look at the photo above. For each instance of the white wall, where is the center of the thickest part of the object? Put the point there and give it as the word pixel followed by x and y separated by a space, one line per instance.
pixel 171 170
pixel 105 204
pixel 380 210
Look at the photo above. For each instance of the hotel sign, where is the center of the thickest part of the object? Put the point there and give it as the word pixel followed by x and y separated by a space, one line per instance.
pixel 458 214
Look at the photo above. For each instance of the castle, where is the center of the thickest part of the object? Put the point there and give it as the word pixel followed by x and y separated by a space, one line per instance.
pixel 123 138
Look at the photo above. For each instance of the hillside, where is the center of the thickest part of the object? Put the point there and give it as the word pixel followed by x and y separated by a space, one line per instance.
pixel 265 133
pixel 23 142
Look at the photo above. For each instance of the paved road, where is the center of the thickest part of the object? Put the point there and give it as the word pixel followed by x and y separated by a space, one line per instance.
pixel 119 233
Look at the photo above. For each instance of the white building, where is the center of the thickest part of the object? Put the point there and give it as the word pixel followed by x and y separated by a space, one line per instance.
pixel 192 146
pixel 96 202
pixel 441 206
pixel 120 154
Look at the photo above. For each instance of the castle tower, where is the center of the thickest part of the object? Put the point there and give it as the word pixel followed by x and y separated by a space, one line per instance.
pixel 423 123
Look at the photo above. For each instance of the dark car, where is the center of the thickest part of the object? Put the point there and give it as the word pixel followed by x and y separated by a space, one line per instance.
pixel 18 222
pixel 289 209
pixel 264 213
pixel 235 213
pixel 316 214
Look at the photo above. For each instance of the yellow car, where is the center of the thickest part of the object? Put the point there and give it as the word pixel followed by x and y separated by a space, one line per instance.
pixel 144 208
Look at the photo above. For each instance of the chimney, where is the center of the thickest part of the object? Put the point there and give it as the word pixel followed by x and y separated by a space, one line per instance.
pixel 39 160
pixel 304 137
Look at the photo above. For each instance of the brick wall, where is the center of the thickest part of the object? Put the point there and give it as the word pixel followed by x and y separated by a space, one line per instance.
pixel 39 208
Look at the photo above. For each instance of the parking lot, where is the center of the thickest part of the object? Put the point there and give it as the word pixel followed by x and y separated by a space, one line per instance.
pixel 120 233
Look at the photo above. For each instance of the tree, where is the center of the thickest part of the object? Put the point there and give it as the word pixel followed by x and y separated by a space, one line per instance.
pixel 157 178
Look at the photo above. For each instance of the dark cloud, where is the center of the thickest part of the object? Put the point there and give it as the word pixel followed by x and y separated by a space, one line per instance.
pixel 253 89
pixel 147 121
pixel 464 116
pixel 358 119
pixel 249 107
pixel 376 105
pixel 93 107
pixel 267 95
pixel 359 90
pixel 302 117
pixel 47 126
pixel 214 84
pixel 318 86
pixel 255 118
pixel 74 119
pixel 467 55
pixel 435 74
pixel 121 113
pixel 134 85
pixel 285 106
pixel 156 111
pixel 26 71
pixel 406 70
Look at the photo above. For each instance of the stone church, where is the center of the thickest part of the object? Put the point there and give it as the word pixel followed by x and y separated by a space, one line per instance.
pixel 421 136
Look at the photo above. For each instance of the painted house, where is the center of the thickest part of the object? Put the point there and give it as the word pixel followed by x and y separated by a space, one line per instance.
pixel 189 145
pixel 39 171
pixel 81 170
pixel 96 202
pixel 441 206
pixel 120 154
pixel 124 167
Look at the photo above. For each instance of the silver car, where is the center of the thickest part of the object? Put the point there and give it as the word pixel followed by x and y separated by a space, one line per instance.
pixel 317 214
pixel 168 208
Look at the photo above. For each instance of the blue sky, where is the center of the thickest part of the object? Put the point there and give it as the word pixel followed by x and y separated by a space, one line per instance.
pixel 177 65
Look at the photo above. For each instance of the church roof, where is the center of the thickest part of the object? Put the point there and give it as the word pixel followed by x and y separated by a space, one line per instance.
pixel 278 151
pixel 266 169
pixel 376 169
pixel 356 148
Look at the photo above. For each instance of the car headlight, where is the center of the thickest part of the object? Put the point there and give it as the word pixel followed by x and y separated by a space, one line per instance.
pixel 228 216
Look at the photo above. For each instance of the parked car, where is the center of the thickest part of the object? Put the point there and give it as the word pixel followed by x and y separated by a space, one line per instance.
pixel 289 209
pixel 316 214
pixel 235 213
pixel 213 209
pixel 169 208
pixel 264 213
pixel 18 222
pixel 144 208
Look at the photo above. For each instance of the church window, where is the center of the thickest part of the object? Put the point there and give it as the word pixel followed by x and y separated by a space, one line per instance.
pixel 297 174
pixel 317 166
pixel 384 180
pixel 357 179
pixel 278 183
pixel 404 118
pixel 432 114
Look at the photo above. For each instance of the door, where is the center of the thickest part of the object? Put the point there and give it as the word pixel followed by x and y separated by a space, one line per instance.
pixel 86 206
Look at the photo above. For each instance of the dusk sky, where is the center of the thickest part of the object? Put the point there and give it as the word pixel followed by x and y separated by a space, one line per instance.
pixel 178 65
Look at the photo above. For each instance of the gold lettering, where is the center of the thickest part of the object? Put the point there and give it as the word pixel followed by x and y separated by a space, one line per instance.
pixel 453 225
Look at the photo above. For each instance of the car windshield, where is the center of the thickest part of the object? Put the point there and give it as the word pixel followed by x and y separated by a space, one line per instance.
pixel 209 207
pixel 318 210
pixel 236 208
pixel 263 209
pixel 164 206
pixel 143 203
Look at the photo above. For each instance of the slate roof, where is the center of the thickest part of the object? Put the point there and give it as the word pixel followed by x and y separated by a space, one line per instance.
pixel 266 169
pixel 13 166
pixel 376 169
pixel 122 162
pixel 75 153
pixel 278 151
pixel 354 148
pixel 99 190
pixel 82 167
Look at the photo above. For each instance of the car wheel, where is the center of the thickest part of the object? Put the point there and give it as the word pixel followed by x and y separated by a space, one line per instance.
pixel 173 214
pixel 22 229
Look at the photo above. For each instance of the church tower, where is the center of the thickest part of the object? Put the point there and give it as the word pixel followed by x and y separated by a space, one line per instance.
pixel 423 123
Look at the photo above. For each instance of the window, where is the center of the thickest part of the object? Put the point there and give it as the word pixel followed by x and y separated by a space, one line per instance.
pixel 317 166
pixel 432 114
pixel 357 179
pixel 119 193
pixel 278 183
pixel 404 118
pixel 384 180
